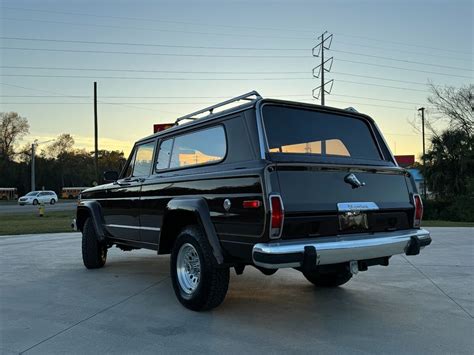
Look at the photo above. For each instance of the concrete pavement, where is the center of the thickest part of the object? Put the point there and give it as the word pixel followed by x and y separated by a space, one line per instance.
pixel 50 304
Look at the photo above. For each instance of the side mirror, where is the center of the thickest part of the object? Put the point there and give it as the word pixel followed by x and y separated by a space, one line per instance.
pixel 111 176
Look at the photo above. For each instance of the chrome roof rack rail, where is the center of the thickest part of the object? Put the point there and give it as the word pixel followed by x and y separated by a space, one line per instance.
pixel 210 109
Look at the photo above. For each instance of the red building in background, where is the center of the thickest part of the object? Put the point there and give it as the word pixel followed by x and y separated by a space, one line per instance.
pixel 161 127
pixel 405 161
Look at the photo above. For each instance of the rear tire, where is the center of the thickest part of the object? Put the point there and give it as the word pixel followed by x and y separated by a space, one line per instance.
pixel 94 253
pixel 333 277
pixel 198 282
pixel 52 202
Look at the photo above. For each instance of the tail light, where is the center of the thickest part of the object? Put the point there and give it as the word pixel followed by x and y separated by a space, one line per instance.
pixel 277 216
pixel 418 210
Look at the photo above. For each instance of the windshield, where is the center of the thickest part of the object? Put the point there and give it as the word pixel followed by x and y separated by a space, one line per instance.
pixel 32 193
pixel 318 134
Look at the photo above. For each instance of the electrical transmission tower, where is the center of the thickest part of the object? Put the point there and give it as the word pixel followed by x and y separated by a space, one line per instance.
pixel 325 66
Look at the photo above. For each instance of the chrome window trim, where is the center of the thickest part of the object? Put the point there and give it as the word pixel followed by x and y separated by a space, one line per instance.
pixel 211 162
pixel 386 144
pixel 133 227
pixel 370 122
pixel 263 144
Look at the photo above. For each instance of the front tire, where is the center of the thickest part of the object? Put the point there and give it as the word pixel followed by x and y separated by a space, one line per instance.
pixel 198 282
pixel 334 277
pixel 94 253
pixel 35 202
pixel 52 202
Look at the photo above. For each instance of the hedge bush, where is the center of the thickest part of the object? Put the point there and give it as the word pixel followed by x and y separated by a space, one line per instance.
pixel 459 210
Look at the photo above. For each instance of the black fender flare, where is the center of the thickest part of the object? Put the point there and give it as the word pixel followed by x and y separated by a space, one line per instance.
pixel 198 206
pixel 95 213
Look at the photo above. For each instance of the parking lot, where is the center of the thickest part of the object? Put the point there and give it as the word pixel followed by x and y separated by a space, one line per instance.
pixel 51 304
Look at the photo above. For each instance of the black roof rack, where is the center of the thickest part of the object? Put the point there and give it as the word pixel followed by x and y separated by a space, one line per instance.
pixel 210 109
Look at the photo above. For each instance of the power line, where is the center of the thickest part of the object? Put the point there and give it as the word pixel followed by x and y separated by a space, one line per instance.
pixel 402 43
pixel 379 85
pixel 154 54
pixel 451 57
pixel 147 78
pixel 152 71
pixel 108 103
pixel 402 60
pixel 202 72
pixel 195 79
pixel 157 20
pixel 148 44
pixel 235 26
pixel 375 105
pixel 380 78
pixel 199 97
pixel 400 68
pixel 376 99
pixel 152 29
pixel 223 48
pixel 181 103
pixel 224 56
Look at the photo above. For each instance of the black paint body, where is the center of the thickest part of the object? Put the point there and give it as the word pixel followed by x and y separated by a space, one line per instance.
pixel 155 207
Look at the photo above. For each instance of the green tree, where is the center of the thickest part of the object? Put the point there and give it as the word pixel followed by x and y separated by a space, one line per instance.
pixel 63 144
pixel 450 164
pixel 13 128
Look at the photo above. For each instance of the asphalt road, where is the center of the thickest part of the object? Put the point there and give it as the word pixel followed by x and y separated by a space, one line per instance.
pixel 50 304
pixel 6 208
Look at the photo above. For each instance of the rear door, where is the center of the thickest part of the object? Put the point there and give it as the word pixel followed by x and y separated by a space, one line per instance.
pixel 329 165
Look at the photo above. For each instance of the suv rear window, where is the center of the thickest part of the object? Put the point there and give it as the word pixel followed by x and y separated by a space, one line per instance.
pixel 319 134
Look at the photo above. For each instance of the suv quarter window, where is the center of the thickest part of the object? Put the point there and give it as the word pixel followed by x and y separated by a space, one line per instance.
pixel 205 146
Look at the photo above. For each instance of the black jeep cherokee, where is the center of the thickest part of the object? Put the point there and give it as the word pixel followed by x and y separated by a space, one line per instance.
pixel 268 183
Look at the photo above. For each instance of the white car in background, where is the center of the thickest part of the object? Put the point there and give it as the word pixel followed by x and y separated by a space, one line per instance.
pixel 36 197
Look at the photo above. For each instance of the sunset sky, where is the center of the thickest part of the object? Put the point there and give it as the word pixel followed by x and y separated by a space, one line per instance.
pixel 385 52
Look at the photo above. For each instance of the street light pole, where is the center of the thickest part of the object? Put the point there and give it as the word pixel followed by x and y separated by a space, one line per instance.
pixel 33 156
pixel 33 179
pixel 422 110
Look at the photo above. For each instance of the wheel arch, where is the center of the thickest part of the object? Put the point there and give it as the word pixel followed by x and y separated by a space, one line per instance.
pixel 181 212
pixel 90 209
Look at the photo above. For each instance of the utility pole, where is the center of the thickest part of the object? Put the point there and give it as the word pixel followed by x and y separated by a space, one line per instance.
pixel 319 71
pixel 33 178
pixel 33 159
pixel 96 136
pixel 422 109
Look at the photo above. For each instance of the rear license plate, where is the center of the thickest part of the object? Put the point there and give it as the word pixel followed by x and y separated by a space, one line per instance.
pixel 353 220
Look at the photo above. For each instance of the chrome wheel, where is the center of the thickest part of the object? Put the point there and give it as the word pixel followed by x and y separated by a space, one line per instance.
pixel 188 268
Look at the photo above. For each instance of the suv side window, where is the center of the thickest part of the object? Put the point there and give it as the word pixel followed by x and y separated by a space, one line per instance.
pixel 200 147
pixel 143 159
pixel 164 154
pixel 129 170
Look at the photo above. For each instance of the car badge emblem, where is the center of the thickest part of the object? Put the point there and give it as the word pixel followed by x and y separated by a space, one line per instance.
pixel 227 204
pixel 353 181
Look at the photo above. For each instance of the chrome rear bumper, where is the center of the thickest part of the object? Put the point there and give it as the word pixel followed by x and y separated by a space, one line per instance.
pixel 340 248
